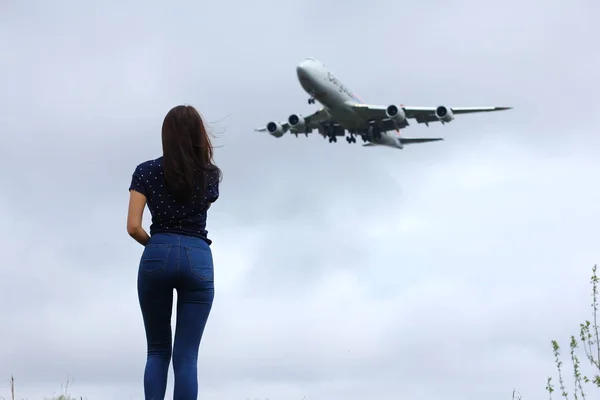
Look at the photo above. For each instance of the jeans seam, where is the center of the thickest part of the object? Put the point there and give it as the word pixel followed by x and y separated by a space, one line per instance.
pixel 178 263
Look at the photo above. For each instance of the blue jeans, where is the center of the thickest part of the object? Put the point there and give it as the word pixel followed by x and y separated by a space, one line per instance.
pixel 184 263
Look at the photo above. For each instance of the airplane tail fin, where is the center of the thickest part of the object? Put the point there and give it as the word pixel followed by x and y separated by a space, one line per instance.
pixel 418 140
pixel 405 141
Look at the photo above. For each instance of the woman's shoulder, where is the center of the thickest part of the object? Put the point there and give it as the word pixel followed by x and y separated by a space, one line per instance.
pixel 150 165
pixel 214 173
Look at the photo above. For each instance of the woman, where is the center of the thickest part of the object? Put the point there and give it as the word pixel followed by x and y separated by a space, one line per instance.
pixel 178 187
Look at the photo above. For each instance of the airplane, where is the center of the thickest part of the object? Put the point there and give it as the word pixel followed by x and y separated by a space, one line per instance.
pixel 344 112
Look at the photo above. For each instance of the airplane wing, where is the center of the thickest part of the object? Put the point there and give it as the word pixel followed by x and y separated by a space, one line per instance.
pixel 420 114
pixel 312 121
pixel 377 113
pixel 425 115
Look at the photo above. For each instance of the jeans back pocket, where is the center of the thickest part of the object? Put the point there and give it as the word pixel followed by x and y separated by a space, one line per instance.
pixel 201 262
pixel 155 257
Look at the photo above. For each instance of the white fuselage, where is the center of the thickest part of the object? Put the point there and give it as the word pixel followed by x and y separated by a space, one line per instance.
pixel 337 99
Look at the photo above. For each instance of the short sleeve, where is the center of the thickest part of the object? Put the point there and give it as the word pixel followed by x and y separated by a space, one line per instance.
pixel 137 181
pixel 212 189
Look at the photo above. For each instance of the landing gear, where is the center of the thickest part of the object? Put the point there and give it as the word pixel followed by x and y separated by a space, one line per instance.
pixel 329 131
pixel 311 101
pixel 351 138
pixel 374 133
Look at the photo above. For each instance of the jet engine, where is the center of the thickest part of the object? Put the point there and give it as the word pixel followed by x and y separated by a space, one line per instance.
pixel 444 114
pixel 275 129
pixel 297 123
pixel 396 114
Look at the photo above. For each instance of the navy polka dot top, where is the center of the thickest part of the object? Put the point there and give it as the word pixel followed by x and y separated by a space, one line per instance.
pixel 170 215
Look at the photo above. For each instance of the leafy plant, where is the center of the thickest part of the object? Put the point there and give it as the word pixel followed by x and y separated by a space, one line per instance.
pixel 589 339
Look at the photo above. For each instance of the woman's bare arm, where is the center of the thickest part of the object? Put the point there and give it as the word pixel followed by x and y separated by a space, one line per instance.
pixel 137 202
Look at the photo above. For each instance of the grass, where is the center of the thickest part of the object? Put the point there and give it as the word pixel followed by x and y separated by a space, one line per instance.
pixel 64 396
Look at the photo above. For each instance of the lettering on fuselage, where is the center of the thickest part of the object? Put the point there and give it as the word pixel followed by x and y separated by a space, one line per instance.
pixel 339 85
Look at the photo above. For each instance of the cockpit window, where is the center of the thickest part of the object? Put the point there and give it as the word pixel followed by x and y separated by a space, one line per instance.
pixel 315 61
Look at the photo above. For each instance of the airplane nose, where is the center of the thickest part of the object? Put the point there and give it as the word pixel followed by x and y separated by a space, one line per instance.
pixel 303 69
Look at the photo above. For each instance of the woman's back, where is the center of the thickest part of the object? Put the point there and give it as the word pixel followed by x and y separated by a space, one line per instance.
pixel 169 213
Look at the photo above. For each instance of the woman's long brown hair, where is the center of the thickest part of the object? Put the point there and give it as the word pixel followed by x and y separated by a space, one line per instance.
pixel 187 152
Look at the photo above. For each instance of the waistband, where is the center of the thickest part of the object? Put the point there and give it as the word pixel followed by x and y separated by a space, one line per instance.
pixel 178 240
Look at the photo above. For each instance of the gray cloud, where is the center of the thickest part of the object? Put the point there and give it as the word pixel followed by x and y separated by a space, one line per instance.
pixel 441 271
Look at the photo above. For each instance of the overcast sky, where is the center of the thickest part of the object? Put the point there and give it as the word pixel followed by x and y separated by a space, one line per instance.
pixel 438 272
